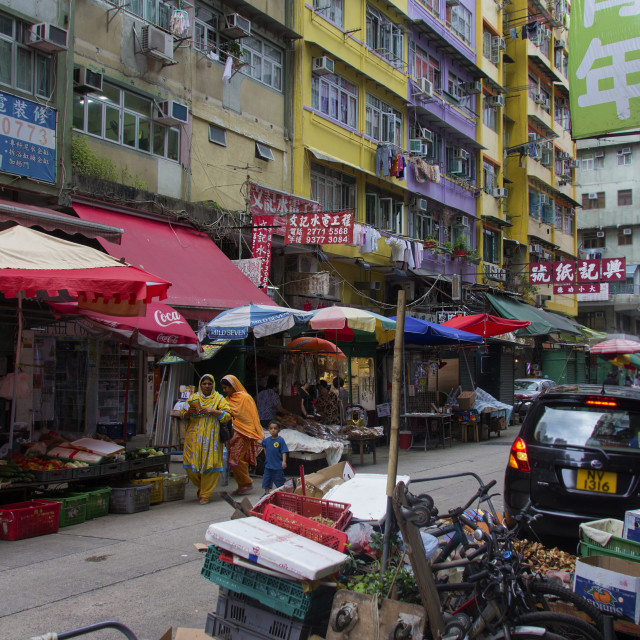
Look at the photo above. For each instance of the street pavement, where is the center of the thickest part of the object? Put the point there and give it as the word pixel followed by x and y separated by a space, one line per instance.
pixel 143 570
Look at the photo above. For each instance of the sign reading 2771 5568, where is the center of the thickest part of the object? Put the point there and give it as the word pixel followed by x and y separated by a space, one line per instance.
pixel 27 138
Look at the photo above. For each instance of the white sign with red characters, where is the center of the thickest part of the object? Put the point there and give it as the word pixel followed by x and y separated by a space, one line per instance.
pixel 320 228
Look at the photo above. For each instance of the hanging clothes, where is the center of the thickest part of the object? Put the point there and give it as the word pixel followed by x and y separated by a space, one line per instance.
pixel 228 69
pixel 383 160
pixel 398 248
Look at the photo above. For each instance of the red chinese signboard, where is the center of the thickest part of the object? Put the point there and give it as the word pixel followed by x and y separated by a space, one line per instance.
pixel 576 288
pixel 261 245
pixel 265 200
pixel 320 228
pixel 585 272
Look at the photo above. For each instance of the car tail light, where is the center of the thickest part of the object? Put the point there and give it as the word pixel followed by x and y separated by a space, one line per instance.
pixel 518 396
pixel 601 402
pixel 518 458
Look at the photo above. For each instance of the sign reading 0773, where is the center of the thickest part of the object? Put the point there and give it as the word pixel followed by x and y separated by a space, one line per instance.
pixel 604 66
pixel 27 138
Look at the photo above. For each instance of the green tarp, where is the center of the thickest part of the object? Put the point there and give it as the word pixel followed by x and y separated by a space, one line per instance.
pixel 542 322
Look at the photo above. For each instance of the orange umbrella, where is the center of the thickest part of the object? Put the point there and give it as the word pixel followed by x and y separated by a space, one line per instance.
pixel 318 345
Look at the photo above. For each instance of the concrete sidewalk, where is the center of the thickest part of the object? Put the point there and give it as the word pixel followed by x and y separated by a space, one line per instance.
pixel 143 570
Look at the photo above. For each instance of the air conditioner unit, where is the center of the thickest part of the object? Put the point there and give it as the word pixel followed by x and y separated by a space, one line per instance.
pixel 626 232
pixel 426 135
pixel 624 151
pixel 462 222
pixel 461 154
pixel 47 37
pixel 573 164
pixel 235 26
pixel 453 3
pixel 171 113
pixel 599 154
pixel 498 43
pixel 422 204
pixel 560 44
pixel 593 196
pixel 304 264
pixel 322 66
pixel 471 88
pixel 86 80
pixel 540 300
pixel 495 101
pixel 409 288
pixel 539 98
pixel 600 234
pixel 426 86
pixel 156 43
pixel 564 155
pixel 371 285
pixel 533 137
pixel 500 193
pixel 456 166
pixel 415 146
pixel 535 248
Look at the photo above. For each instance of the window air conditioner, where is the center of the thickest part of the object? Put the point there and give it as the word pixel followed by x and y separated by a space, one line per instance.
pixel 573 164
pixel 415 146
pixel 565 155
pixel 47 37
pixel 593 196
pixel 535 248
pixel 235 26
pixel 422 204
pixel 495 101
pixel 599 154
pixel 500 193
pixel 304 264
pixel 322 66
pixel 533 137
pixel 626 232
pixel 86 80
pixel 456 166
pixel 462 222
pixel 624 151
pixel 539 98
pixel 171 112
pixel 600 234
pixel 426 86
pixel 425 134
pixel 499 43
pixel 471 88
pixel 461 154
pixel 560 44
pixel 156 43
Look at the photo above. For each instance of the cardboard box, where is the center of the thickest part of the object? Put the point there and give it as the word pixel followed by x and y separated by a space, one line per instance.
pixel 318 483
pixel 611 584
pixel 466 400
pixel 183 633
pixel 631 530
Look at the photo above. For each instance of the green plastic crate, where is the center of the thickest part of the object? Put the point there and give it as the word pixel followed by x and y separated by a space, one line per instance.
pixel 285 596
pixel 98 501
pixel 73 509
pixel 617 547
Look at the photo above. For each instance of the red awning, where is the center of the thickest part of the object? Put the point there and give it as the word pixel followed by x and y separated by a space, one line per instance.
pixel 51 220
pixel 201 275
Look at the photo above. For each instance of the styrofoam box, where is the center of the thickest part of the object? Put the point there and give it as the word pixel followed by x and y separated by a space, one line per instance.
pixel 275 548
pixel 631 529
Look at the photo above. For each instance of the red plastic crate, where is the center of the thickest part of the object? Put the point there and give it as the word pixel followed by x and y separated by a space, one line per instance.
pixel 28 519
pixel 307 507
pixel 316 531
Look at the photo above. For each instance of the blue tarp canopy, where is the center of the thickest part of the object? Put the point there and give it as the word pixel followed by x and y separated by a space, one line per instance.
pixel 423 332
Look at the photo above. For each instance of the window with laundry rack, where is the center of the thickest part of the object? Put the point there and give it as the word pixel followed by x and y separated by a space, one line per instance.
pixel 385 213
pixel 383 122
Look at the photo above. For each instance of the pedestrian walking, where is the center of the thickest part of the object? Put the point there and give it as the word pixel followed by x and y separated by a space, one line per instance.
pixel 275 449
pixel 247 433
pixel 269 403
pixel 202 455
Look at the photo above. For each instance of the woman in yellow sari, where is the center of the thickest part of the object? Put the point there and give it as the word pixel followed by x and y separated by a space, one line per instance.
pixel 247 433
pixel 204 411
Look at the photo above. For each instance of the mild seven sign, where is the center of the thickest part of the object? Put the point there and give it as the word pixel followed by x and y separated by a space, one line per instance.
pixel 27 138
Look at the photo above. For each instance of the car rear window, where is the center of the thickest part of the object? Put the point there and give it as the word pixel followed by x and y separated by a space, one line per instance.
pixel 525 384
pixel 588 426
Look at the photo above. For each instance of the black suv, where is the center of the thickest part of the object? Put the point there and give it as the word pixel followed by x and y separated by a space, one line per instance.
pixel 576 457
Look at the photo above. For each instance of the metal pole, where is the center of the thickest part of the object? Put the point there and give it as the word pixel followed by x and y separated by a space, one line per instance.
pixel 255 362
pixel 14 399
pixel 126 393
pixel 392 468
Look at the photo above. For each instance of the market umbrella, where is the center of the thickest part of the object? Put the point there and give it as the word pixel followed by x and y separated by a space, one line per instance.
pixel 615 347
pixel 486 325
pixel 33 262
pixel 263 320
pixel 317 345
pixel 423 332
pixel 346 322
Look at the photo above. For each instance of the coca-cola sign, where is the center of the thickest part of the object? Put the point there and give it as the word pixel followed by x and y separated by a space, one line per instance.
pixel 168 318
pixel 163 338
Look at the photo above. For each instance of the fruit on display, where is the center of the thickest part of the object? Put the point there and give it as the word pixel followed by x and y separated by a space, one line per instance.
pixel 11 473
pixel 143 452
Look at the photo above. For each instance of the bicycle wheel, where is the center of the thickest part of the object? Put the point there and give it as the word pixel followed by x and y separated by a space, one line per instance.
pixel 546 596
pixel 563 624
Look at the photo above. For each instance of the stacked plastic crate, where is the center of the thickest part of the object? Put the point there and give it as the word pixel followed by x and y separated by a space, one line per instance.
pixel 265 566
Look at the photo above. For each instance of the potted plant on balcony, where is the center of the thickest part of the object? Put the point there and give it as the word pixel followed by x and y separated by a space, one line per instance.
pixel 429 242
pixel 460 247
pixel 474 256
pixel 446 247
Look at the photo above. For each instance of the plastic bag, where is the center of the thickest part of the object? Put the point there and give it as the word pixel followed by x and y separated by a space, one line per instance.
pixel 359 535
pixel 24 386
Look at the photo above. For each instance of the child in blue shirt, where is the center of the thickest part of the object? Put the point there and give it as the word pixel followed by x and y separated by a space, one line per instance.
pixel 275 449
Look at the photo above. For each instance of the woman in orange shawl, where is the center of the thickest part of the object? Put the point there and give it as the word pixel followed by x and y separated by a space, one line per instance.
pixel 247 433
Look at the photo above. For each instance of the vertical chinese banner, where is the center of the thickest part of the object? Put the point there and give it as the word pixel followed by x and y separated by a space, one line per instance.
pixel 604 40
pixel 261 245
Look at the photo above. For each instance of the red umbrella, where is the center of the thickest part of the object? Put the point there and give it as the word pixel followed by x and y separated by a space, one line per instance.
pixel 319 345
pixel 614 347
pixel 486 325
